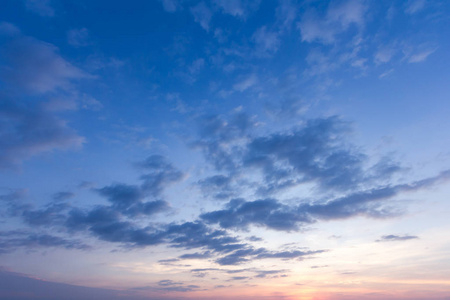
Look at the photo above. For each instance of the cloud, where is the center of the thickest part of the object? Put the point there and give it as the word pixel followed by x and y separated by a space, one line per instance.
pixel 62 196
pixel 37 67
pixel 265 273
pixel 414 6
pixel 218 186
pixel 28 130
pixel 384 55
pixel 51 215
pixel 40 7
pixel 266 41
pixel 40 289
pixel 245 83
pixel 13 240
pixel 171 5
pixel 269 213
pixel 396 238
pixel 217 138
pixel 286 13
pixel 420 56
pixel 244 255
pixel 196 255
pixel 78 37
pixel 160 174
pixel 325 27
pixel 237 8
pixel 9 29
pixel 202 15
pixel 311 153
pixel 238 214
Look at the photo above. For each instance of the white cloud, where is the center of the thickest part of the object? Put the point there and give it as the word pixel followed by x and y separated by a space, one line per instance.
pixel 196 66
pixel 78 37
pixel 338 18
pixel 266 41
pixel 41 7
pixel 202 15
pixel 420 56
pixel 384 55
pixel 30 131
pixel 414 6
pixel 37 67
pixel 8 29
pixel 171 5
pixel 286 14
pixel 237 8
pixel 246 83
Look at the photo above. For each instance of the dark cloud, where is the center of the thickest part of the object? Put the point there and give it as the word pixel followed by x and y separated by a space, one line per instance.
pixel 219 186
pixel 287 254
pixel 122 195
pixel 314 152
pixel 128 200
pixel 396 238
pixel 244 255
pixel 27 130
pixel 40 7
pixel 191 235
pixel 217 139
pixel 62 196
pixel 13 195
pixel 196 255
pixel 37 67
pixel 267 212
pixel 168 282
pixel 254 239
pixel 160 174
pixel 265 273
pixel 51 215
pixel 238 214
pixel 239 278
pixel 13 240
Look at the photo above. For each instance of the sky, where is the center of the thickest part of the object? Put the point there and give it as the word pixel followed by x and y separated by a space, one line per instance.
pixel 224 149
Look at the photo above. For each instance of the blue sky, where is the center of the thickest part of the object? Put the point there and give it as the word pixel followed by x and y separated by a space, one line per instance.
pixel 204 149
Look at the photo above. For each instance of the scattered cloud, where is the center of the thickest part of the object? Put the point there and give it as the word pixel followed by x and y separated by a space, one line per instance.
pixel 171 5
pixel 9 29
pixel 266 41
pixel 62 196
pixel 78 37
pixel 30 131
pixel 246 83
pixel 40 7
pixel 324 27
pixel 37 67
pixel 396 238
pixel 202 15
pixel 414 6
pixel 420 56
pixel 237 8
pixel 13 240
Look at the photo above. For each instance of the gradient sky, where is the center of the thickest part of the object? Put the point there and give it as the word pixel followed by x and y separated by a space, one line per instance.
pixel 224 149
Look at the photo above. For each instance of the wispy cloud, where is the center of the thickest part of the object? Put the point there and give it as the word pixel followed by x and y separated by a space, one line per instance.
pixel 420 56
pixel 202 15
pixel 323 27
pixel 41 7
pixel 78 37
pixel 396 238
pixel 414 6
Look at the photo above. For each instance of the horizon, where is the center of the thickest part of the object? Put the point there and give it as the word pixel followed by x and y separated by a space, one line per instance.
pixel 224 149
